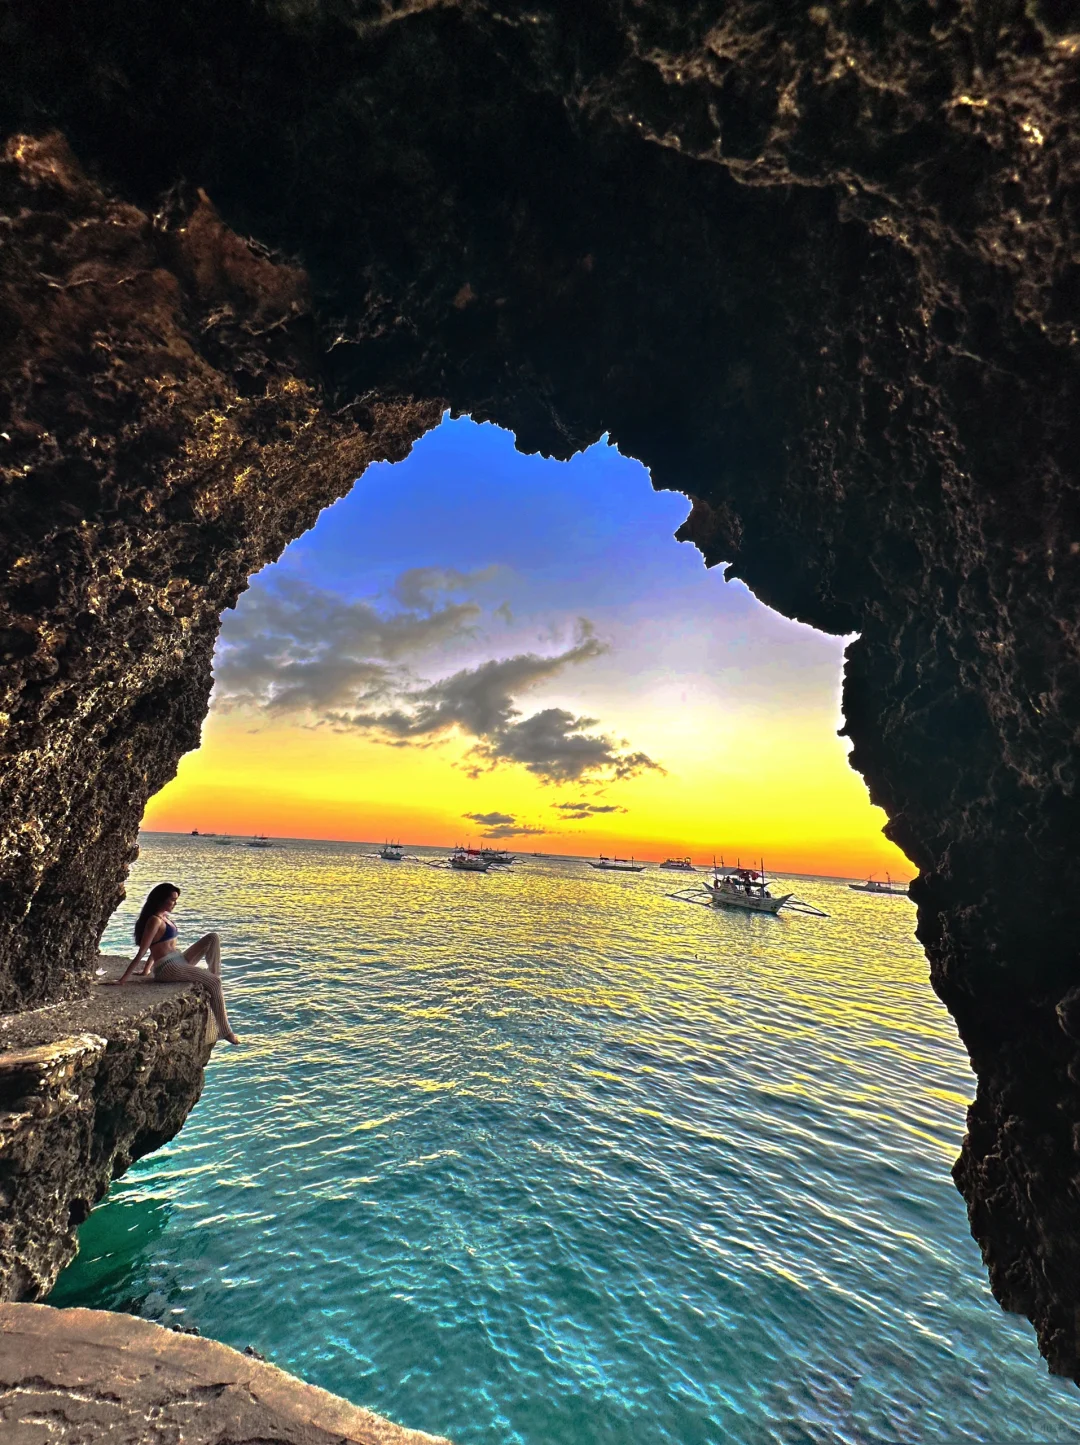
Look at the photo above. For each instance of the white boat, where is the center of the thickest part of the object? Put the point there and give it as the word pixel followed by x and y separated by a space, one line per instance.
pixel 617 865
pixel 260 840
pixel 498 857
pixel 744 888
pixel 874 885
pixel 678 865
pixel 391 852
pixel 468 860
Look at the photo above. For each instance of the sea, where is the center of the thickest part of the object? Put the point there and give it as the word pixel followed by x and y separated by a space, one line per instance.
pixel 549 1157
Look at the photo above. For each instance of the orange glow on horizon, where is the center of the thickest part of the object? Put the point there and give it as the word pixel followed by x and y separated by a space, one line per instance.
pixel 781 790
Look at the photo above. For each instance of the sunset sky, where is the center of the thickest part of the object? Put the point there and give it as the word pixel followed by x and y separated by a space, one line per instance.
pixel 477 644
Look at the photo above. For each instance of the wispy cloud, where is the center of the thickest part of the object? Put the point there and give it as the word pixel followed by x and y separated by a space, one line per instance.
pixel 503 825
pixel 577 811
pixel 291 647
pixel 418 587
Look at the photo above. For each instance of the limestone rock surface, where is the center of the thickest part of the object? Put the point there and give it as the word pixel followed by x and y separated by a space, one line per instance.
pixel 76 1377
pixel 86 1088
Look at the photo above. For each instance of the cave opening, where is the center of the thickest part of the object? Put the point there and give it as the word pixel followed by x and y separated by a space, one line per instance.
pixel 518 640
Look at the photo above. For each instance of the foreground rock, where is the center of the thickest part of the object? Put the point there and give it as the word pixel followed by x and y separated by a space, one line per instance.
pixel 86 1375
pixel 86 1088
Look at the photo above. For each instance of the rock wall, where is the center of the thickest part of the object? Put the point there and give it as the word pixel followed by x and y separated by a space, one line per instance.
pixel 817 268
pixel 164 436
pixel 86 1088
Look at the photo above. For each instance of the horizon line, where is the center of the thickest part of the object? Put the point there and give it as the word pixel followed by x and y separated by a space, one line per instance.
pixel 526 852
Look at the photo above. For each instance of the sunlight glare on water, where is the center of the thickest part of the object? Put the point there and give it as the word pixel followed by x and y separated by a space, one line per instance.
pixel 543 1156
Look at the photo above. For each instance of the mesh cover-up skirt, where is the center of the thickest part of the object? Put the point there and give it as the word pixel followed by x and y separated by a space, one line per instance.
pixel 174 968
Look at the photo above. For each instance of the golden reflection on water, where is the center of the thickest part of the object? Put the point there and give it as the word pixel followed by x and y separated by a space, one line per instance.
pixel 545 1156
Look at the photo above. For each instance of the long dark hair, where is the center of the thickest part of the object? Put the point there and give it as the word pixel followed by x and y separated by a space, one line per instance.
pixel 154 899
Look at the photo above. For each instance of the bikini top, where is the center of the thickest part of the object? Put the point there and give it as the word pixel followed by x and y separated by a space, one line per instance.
pixel 170 932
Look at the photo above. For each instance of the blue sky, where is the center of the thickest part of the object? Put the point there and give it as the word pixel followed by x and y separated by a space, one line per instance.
pixel 589 536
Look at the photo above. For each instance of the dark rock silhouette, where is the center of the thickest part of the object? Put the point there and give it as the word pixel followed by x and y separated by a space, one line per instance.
pixel 817 269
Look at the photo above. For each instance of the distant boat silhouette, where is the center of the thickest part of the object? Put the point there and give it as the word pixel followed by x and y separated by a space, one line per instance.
pixel 617 865
pixel 873 885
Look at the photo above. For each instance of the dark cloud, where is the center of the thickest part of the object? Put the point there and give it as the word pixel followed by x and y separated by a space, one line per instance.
pixel 552 744
pixel 512 830
pixel 479 700
pixel 292 647
pixel 502 825
pixel 559 748
pixel 579 812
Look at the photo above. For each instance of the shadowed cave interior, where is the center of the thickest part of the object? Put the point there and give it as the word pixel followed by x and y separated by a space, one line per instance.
pixel 816 271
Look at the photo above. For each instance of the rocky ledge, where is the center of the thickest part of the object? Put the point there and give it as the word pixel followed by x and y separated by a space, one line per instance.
pixel 81 1375
pixel 86 1088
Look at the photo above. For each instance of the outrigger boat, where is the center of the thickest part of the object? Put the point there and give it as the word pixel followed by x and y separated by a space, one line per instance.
pixel 391 852
pixel 746 889
pixel 469 860
pixel 617 865
pixel 678 865
pixel 874 885
pixel 260 840
pixel 497 857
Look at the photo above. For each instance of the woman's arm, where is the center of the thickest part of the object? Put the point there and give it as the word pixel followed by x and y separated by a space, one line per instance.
pixel 150 936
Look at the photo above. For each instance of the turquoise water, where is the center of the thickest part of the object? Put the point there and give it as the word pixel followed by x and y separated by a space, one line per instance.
pixel 545 1157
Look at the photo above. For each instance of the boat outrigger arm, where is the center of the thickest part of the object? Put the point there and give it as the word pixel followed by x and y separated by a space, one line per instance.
pixel 788 902
pixel 746 890
pixel 800 905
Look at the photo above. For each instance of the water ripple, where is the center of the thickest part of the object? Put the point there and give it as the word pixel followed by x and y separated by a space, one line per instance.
pixel 544 1157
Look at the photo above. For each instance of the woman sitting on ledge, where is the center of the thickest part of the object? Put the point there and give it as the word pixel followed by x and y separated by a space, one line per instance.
pixel 155 933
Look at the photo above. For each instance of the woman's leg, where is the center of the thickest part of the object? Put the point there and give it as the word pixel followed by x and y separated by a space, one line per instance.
pixel 208 947
pixel 173 971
